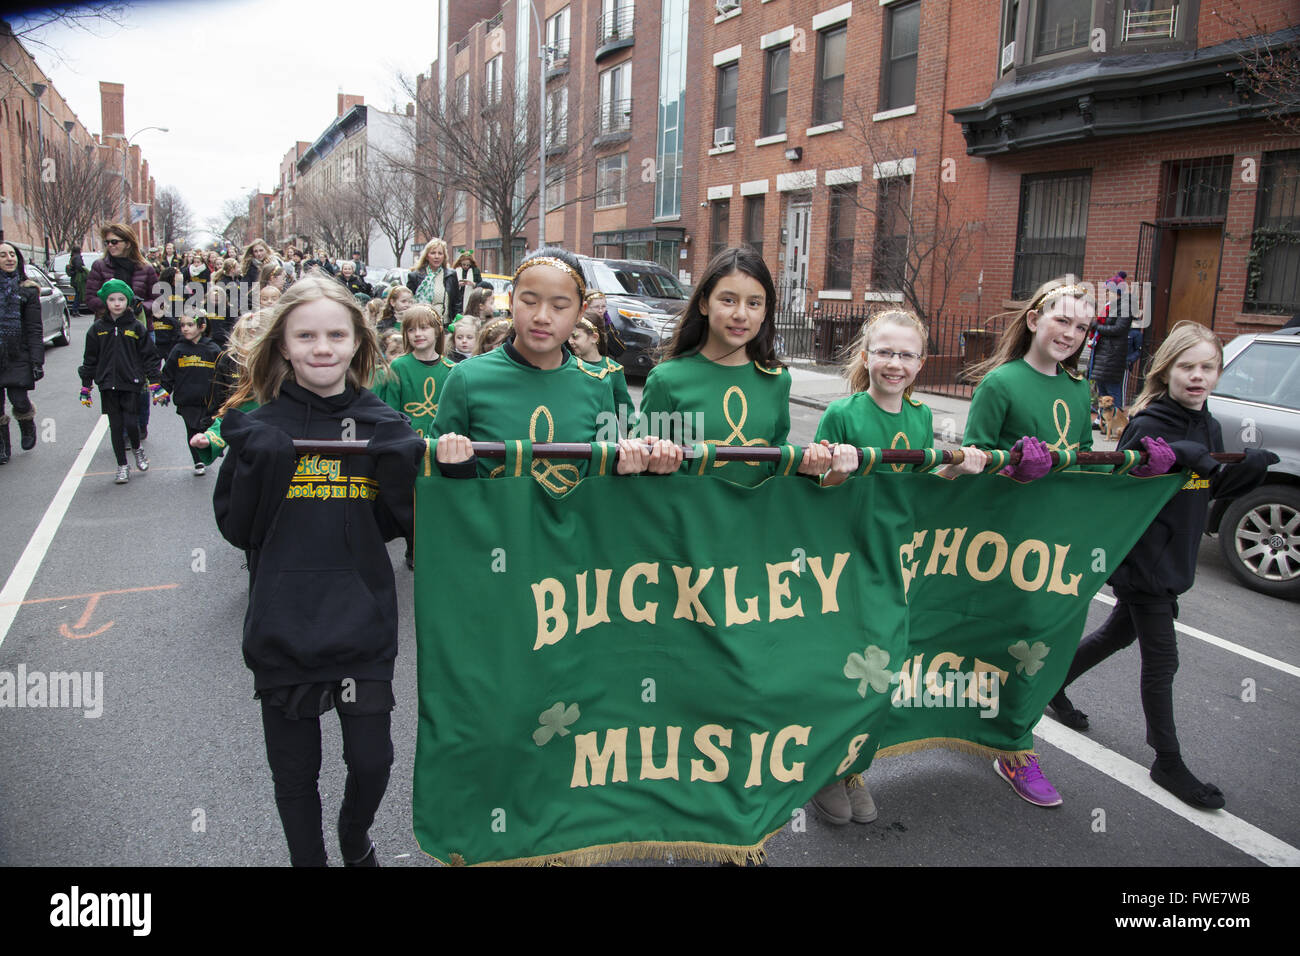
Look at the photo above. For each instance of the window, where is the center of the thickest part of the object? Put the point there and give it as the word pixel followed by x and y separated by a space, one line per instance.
pixel 458 206
pixel 1265 372
pixel 1273 266
pixel 1051 230
pixel 492 81
pixel 1197 188
pixel 554 187
pixel 557 35
pixel 1010 21
pixel 893 216
pixel 1147 20
pixel 721 226
pixel 615 100
pixel 611 181
pixel 724 112
pixel 485 212
pixel 839 245
pixel 902 37
pixel 462 94
pixel 828 101
pixel 754 223
pixel 1061 25
pixel 776 84
pixel 557 118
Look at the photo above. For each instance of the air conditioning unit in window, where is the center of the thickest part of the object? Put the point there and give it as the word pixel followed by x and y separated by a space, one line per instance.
pixel 724 135
pixel 726 6
pixel 1009 54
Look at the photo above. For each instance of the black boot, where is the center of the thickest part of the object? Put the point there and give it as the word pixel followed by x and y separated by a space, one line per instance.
pixel 4 439
pixel 27 427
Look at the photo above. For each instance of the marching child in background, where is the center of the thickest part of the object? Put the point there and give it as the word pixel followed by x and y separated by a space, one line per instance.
pixel 492 336
pixel 311 644
pixel 588 343
pixel 463 339
pixel 393 345
pixel 415 377
pixel 168 307
pixel 268 296
pixel 1171 423
pixel 503 394
pixel 1030 389
pixel 227 378
pixel 478 305
pixel 187 381
pixel 881 413
pixel 398 300
pixel 375 312
pixel 721 367
pixel 598 312
pixel 120 359
pixel 219 310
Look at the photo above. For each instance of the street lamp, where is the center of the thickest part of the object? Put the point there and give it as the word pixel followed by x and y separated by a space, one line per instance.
pixel 38 90
pixel 126 146
pixel 543 55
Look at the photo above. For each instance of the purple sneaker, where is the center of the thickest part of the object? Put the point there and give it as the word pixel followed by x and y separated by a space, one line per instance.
pixel 1028 781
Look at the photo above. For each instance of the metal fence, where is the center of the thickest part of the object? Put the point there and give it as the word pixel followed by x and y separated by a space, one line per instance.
pixel 826 335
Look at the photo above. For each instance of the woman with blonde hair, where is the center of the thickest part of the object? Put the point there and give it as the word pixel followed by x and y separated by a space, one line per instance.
pixel 431 281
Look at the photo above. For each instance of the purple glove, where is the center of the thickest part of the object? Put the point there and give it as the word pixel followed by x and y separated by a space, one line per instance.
pixel 1160 458
pixel 85 397
pixel 1035 460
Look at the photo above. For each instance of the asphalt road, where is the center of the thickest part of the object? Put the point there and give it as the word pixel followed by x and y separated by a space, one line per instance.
pixel 173 771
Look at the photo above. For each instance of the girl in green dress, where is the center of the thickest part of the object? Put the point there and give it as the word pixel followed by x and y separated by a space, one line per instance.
pixel 588 343
pixel 721 382
pixel 531 387
pixel 414 380
pixel 1031 394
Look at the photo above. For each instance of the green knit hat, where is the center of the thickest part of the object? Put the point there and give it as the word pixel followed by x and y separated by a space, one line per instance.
pixel 118 286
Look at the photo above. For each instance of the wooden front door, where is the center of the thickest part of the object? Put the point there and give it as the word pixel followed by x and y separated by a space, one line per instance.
pixel 1195 275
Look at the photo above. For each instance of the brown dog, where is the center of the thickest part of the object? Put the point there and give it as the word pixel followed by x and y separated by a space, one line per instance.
pixel 1113 420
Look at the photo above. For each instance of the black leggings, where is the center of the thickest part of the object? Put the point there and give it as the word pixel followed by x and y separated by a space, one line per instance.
pixel 122 410
pixel 293 751
pixel 17 398
pixel 1152 626
pixel 194 452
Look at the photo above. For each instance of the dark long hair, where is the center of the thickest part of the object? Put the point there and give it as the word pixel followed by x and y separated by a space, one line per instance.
pixel 693 328
pixel 20 270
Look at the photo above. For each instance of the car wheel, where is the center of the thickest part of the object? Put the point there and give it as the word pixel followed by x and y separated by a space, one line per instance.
pixel 1260 540
pixel 65 329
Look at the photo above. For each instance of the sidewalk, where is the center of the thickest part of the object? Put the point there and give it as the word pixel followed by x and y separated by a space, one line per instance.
pixel 816 386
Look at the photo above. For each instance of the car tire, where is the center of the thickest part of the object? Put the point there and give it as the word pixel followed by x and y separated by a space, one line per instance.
pixel 65 330
pixel 1260 540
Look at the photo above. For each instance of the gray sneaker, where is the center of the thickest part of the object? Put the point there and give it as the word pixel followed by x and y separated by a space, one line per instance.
pixel 832 804
pixel 141 462
pixel 123 476
pixel 199 468
pixel 861 806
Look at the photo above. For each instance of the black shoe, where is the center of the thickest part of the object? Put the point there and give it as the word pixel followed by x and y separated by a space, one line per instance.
pixel 4 440
pixel 370 859
pixel 27 428
pixel 1067 713
pixel 1184 786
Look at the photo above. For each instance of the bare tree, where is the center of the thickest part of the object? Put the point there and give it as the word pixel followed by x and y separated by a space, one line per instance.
pixel 484 144
pixel 388 192
pixel 172 215
pixel 29 28
pixel 922 240
pixel 338 219
pixel 67 191
pixel 1270 64
pixel 231 223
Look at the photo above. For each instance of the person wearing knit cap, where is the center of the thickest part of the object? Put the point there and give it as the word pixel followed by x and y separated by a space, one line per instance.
pixel 119 358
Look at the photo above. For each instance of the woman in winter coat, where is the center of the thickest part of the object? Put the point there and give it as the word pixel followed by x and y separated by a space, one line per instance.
pixel 467 276
pixel 432 282
pixel 1110 353
pixel 22 347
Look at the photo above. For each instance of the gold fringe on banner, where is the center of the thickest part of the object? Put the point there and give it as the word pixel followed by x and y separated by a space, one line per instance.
pixel 955 743
pixel 647 850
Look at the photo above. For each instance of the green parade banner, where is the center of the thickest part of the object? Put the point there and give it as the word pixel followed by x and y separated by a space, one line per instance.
pixel 672 665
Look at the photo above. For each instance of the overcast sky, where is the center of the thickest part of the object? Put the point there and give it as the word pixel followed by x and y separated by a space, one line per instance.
pixel 237 82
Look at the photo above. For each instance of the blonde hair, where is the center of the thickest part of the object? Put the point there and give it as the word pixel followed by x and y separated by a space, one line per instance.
pixel 391 337
pixel 266 368
pixel 492 335
pixel 1185 335
pixel 465 322
pixel 387 302
pixel 429 247
pixel 1017 336
pixel 422 316
pixel 855 369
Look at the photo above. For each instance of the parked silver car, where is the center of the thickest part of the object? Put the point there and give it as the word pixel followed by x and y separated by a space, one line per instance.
pixel 1258 404
pixel 56 319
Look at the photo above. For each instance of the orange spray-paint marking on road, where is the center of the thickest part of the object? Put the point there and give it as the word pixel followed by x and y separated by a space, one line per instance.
pixel 92 601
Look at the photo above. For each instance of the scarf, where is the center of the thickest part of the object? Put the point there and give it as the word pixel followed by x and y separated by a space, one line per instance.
pixel 433 290
pixel 11 316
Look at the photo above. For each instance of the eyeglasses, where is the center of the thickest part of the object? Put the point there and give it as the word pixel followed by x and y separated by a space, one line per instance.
pixel 885 355
pixel 114 242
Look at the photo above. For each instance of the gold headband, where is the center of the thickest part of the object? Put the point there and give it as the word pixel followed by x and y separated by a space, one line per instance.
pixel 559 264
pixel 591 328
pixel 494 323
pixel 1075 290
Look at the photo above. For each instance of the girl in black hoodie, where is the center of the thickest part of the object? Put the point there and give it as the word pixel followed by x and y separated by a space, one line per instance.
pixel 1171 422
pixel 321 626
